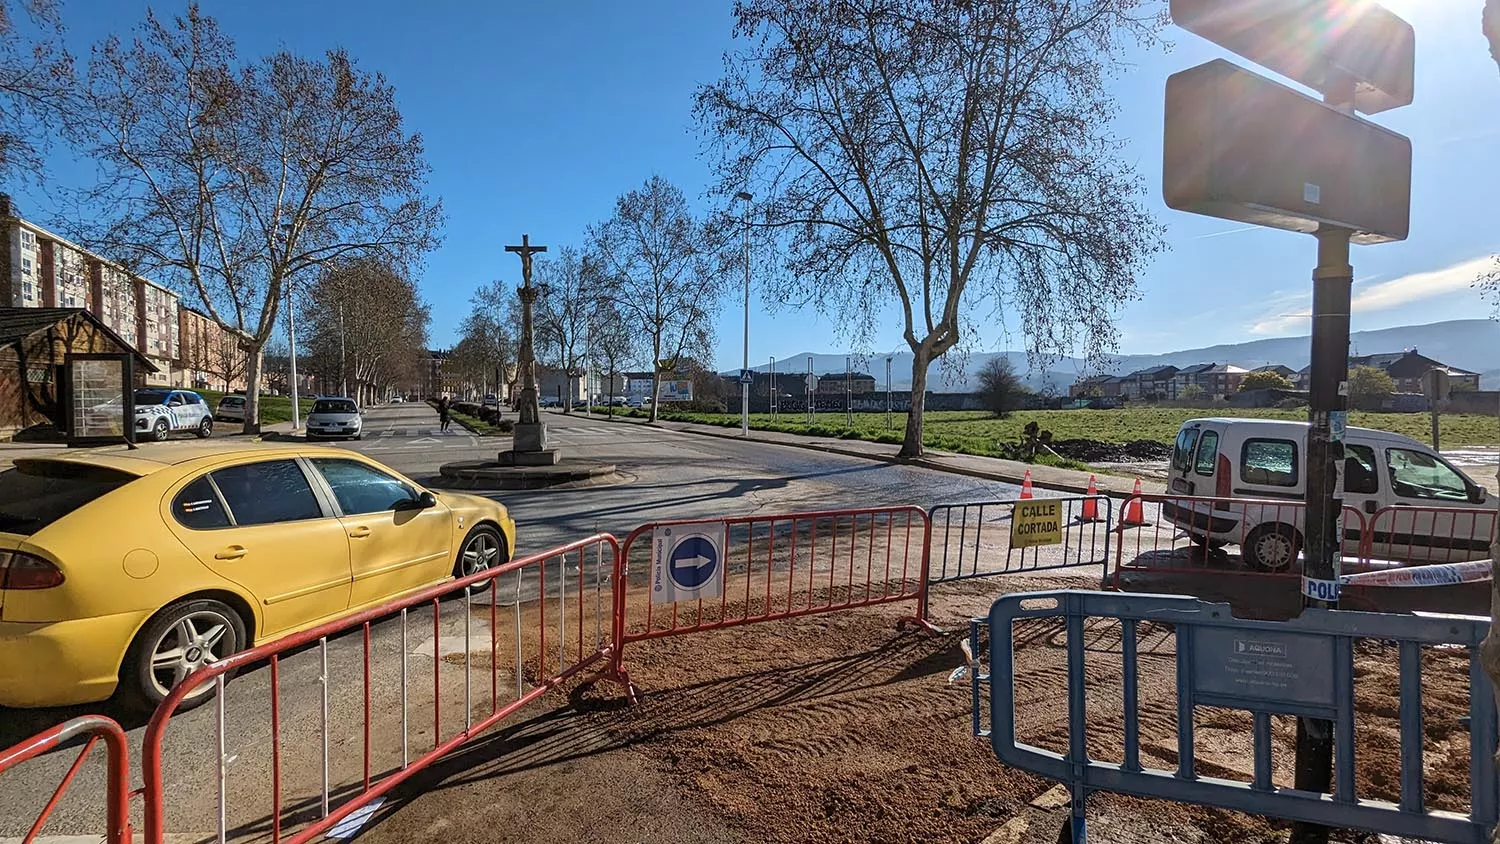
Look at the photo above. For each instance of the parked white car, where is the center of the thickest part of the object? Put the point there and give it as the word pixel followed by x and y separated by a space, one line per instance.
pixel 231 409
pixel 161 412
pixel 1402 486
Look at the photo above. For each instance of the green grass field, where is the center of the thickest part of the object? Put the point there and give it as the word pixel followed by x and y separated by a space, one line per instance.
pixel 273 409
pixel 974 432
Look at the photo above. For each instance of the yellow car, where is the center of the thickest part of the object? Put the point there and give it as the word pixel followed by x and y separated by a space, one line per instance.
pixel 125 570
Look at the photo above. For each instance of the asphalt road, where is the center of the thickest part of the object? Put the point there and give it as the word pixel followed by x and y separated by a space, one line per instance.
pixel 670 475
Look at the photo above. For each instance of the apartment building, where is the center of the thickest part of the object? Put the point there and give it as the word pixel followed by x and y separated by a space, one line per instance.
pixel 48 271
pixel 209 357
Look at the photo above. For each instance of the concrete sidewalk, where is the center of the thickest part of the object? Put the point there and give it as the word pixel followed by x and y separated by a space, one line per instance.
pixel 986 468
pixel 11 451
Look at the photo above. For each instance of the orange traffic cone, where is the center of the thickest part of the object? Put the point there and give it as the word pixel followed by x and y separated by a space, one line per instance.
pixel 1135 512
pixel 1026 486
pixel 1091 504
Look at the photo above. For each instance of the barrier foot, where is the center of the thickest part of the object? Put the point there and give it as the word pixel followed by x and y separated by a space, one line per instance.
pixel 620 677
pixel 921 624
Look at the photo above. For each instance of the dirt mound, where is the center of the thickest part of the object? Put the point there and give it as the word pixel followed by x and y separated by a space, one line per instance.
pixel 839 728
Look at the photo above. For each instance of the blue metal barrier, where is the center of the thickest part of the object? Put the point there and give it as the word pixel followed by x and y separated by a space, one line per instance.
pixel 980 538
pixel 1303 667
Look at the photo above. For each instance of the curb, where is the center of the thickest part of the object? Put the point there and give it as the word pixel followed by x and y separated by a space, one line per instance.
pixel 920 462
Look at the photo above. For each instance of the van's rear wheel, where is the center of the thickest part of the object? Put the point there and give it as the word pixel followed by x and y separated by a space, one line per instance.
pixel 1273 547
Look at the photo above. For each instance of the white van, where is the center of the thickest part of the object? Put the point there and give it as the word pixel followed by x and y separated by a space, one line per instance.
pixel 1266 460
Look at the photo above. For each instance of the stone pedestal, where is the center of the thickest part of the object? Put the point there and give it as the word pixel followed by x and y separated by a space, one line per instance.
pixel 547 457
pixel 530 436
pixel 529 448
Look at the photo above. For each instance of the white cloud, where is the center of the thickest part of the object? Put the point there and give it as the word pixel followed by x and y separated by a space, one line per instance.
pixel 1285 313
pixel 1290 314
pixel 1282 325
pixel 1410 288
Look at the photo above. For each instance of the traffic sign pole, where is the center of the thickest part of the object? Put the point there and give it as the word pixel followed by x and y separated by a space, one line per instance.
pixel 1219 162
pixel 1327 411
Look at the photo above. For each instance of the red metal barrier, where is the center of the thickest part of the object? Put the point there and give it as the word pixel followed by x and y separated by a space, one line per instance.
pixel 562 624
pixel 778 567
pixel 1258 537
pixel 117 760
pixel 1430 534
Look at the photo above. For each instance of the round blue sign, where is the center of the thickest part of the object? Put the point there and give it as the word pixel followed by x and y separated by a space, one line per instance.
pixel 693 562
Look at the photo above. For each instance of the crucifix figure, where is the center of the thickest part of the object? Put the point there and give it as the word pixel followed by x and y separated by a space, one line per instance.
pixel 531 434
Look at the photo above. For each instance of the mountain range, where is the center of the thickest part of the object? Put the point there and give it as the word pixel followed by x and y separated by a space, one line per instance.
pixel 1472 344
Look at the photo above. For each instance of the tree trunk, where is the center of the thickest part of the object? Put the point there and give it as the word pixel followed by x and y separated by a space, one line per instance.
pixel 254 362
pixel 911 446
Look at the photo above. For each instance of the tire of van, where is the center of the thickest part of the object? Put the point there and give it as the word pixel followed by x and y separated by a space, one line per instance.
pixel 1272 547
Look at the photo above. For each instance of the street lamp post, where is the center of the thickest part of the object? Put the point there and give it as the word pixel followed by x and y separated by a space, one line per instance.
pixel 343 367
pixel 888 391
pixel 775 391
pixel 848 394
pixel 745 367
pixel 291 330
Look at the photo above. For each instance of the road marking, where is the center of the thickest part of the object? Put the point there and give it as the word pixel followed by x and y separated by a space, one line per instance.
pixel 350 826
pixel 424 441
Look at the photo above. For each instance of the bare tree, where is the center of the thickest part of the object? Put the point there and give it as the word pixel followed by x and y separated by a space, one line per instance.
pixel 562 315
pixel 365 321
pixel 612 344
pixel 225 360
pixel 229 178
pixel 35 76
pixel 1000 389
pixel 660 268
pixel 941 156
pixel 486 349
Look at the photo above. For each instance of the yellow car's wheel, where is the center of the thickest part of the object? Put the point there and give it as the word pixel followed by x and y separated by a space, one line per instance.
pixel 177 641
pixel 484 548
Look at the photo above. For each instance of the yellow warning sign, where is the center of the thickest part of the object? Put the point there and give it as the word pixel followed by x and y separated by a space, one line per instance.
pixel 1037 522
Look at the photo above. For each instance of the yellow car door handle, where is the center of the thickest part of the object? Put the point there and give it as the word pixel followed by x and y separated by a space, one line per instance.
pixel 359 532
pixel 233 552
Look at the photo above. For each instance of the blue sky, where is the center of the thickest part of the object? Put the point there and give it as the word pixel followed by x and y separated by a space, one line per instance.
pixel 536 118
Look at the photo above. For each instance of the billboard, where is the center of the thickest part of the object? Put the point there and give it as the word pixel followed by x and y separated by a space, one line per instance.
pixel 675 391
pixel 1241 147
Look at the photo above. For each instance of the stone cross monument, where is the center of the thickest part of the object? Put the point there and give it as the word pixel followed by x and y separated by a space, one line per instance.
pixel 529 448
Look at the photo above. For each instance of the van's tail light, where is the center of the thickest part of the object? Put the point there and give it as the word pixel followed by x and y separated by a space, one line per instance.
pixel 24 571
pixel 1222 486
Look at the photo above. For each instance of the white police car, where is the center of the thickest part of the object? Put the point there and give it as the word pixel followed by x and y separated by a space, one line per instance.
pixel 159 413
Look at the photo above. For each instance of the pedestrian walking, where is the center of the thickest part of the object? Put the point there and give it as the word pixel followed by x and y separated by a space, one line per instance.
pixel 442 409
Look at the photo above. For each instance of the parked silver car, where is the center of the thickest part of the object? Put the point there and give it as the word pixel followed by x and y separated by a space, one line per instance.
pixel 335 418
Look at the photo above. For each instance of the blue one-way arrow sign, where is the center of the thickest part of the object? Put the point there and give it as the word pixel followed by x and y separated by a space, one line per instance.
pixel 687 561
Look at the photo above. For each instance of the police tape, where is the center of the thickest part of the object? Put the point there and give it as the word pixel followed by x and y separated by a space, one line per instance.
pixel 1439 574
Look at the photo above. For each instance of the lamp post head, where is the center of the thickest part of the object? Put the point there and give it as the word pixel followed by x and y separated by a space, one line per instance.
pixel 743 195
